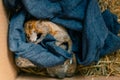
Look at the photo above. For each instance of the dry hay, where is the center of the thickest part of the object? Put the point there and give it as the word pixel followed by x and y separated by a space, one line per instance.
pixel 112 5
pixel 34 70
pixel 106 66
pixel 110 64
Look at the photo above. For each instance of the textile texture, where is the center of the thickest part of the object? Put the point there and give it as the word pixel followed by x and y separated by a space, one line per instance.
pixel 94 34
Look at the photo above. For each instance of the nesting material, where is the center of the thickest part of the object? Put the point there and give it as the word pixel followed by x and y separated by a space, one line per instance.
pixel 106 66
pixel 112 5
pixel 109 65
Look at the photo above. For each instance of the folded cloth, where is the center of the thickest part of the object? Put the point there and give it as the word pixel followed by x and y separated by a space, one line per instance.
pixel 94 34
pixel 37 54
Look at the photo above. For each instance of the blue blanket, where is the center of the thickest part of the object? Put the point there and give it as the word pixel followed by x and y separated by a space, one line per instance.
pixel 94 34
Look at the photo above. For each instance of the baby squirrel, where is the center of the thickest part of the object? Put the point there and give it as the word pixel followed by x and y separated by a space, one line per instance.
pixel 33 28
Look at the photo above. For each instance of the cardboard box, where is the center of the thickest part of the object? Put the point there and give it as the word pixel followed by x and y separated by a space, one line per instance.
pixel 8 71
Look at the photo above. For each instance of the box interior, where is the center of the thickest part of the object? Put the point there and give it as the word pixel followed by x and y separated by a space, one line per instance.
pixel 8 71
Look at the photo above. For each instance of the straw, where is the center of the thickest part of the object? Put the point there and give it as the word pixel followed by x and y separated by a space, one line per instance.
pixel 108 65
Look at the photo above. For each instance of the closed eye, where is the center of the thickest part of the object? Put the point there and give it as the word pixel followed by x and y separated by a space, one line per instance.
pixel 39 35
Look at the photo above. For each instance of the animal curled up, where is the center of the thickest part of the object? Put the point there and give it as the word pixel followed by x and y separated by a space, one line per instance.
pixel 36 30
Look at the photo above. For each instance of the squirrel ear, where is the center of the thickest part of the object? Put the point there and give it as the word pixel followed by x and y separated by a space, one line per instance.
pixel 39 21
pixel 38 24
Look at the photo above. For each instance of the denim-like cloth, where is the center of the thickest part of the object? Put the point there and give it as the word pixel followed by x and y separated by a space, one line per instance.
pixel 45 55
pixel 94 34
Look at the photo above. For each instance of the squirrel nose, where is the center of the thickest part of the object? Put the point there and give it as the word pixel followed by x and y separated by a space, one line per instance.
pixel 33 39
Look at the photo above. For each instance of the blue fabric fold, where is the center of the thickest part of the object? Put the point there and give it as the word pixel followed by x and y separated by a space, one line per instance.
pixel 94 34
pixel 38 54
